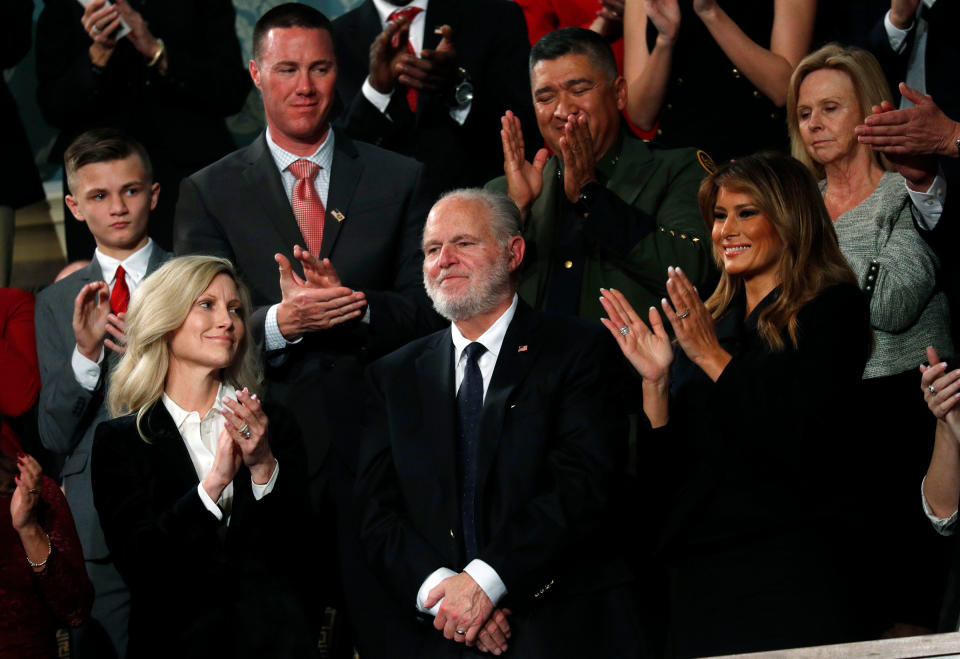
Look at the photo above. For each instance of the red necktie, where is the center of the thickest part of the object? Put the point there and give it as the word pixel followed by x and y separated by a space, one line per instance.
pixel 406 12
pixel 120 296
pixel 307 206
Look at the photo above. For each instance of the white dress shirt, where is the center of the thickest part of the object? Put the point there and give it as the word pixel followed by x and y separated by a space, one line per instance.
pixel 481 572
pixel 415 37
pixel 200 437
pixel 916 76
pixel 86 372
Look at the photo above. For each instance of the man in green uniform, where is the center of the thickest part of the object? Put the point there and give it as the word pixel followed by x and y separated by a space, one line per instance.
pixel 606 210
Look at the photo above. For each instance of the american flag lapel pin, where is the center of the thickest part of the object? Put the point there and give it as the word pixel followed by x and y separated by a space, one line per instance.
pixel 338 216
pixel 522 348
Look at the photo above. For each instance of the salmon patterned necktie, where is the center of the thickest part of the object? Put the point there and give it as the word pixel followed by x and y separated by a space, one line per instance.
pixel 307 205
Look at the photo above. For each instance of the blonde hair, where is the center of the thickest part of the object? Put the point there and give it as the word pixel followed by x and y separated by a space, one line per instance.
pixel 811 259
pixel 158 307
pixel 869 86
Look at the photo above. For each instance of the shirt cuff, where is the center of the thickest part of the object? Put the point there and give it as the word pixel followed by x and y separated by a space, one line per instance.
pixel 86 372
pixel 487 578
pixel 429 584
pixel 260 491
pixel 942 525
pixel 929 204
pixel 208 503
pixel 460 113
pixel 272 336
pixel 378 100
pixel 895 35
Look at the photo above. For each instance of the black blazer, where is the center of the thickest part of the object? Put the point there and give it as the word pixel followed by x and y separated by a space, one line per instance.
pixel 490 39
pixel 764 467
pixel 237 208
pixel 550 456
pixel 198 587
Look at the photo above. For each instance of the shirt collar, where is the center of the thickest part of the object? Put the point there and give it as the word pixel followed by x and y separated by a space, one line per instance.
pixel 492 339
pixel 180 415
pixel 323 156
pixel 384 8
pixel 134 265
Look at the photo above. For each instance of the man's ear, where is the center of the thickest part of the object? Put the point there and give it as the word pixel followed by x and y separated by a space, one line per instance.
pixel 254 73
pixel 74 207
pixel 518 248
pixel 620 90
pixel 154 195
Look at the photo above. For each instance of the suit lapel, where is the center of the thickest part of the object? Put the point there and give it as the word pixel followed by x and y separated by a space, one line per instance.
pixel 435 380
pixel 517 353
pixel 264 185
pixel 170 449
pixel 157 258
pixel 345 174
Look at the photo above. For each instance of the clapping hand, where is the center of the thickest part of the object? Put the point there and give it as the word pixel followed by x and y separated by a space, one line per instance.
pixel 693 325
pixel 524 179
pixel 316 303
pixel 647 348
pixel 941 390
pixel 579 160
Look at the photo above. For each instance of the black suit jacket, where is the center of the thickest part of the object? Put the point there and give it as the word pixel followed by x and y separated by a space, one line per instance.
pixel 551 448
pixel 490 39
pixel 237 208
pixel 200 588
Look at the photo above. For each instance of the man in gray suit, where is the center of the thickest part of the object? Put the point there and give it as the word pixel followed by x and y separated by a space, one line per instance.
pixel 80 332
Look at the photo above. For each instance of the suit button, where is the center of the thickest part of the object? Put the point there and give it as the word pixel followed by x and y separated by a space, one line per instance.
pixel 452 534
pixel 568 264
pixel 736 73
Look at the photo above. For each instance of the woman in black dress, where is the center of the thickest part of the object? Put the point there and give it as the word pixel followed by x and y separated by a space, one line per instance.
pixel 750 419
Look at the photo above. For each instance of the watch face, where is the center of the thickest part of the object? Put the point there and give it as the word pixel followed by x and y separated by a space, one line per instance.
pixel 463 94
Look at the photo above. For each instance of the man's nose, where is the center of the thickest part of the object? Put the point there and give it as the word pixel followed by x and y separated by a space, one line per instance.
pixel 566 105
pixel 304 83
pixel 119 205
pixel 448 256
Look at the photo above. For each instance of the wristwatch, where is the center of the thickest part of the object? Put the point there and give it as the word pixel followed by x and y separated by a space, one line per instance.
pixel 463 89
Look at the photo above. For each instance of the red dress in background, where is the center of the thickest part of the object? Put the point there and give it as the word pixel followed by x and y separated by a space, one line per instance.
pixel 19 373
pixel 34 604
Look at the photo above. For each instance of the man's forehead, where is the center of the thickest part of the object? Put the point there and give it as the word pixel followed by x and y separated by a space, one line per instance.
pixel 563 71
pixel 296 43
pixel 112 172
pixel 456 217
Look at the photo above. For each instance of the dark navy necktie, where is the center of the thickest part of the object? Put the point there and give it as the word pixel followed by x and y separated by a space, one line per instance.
pixel 469 406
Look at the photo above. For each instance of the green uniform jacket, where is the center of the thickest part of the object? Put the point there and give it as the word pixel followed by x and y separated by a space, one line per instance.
pixel 644 219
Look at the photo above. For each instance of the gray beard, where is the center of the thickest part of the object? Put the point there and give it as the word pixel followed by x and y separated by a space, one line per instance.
pixel 483 295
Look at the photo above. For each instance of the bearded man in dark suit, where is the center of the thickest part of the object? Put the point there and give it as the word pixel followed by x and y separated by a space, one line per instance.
pixel 491 453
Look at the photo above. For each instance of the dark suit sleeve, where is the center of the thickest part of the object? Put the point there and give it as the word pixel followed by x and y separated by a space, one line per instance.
pixel 195 230
pixel 16 29
pixel 894 64
pixel 395 549
pixel 585 428
pixel 404 312
pixel 66 409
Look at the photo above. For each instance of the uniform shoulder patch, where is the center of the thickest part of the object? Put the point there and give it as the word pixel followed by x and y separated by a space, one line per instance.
pixel 706 161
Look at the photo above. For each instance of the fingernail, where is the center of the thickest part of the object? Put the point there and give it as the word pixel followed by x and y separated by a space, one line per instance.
pixel 663 301
pixel 652 308
pixel 600 298
pixel 678 270
pixel 669 269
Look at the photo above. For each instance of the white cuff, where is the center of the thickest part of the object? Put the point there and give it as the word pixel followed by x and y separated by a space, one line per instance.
pixel 260 491
pixel 942 525
pixel 273 338
pixel 460 114
pixel 208 503
pixel 487 578
pixel 429 584
pixel 378 100
pixel 895 35
pixel 86 372
pixel 366 316
pixel 929 204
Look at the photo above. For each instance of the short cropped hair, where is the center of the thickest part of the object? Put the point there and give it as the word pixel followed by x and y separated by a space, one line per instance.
pixel 575 41
pixel 290 14
pixel 505 218
pixel 102 145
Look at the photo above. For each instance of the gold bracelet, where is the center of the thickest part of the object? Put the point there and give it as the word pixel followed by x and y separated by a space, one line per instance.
pixel 156 58
pixel 49 551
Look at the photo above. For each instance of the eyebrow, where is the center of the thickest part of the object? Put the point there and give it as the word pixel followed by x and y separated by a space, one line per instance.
pixel 564 85
pixel 327 62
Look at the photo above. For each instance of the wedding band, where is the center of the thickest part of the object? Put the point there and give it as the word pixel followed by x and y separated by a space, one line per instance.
pixel 34 490
pixel 624 330
pixel 932 389
pixel 686 312
pixel 244 430
pixel 461 632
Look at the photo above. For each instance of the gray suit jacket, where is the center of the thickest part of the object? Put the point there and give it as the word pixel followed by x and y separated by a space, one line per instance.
pixel 68 414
